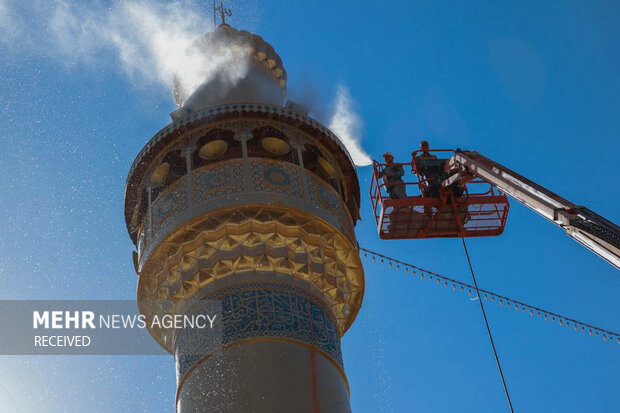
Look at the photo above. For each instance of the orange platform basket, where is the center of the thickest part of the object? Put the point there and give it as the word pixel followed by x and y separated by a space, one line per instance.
pixel 467 208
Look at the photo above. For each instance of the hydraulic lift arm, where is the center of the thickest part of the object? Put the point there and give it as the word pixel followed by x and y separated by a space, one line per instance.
pixel 589 229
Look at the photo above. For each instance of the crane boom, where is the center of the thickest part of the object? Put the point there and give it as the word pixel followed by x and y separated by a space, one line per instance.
pixel 587 227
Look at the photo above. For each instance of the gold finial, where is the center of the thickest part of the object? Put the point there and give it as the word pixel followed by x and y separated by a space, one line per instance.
pixel 223 13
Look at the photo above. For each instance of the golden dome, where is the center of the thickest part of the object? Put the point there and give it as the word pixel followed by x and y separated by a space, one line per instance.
pixel 261 54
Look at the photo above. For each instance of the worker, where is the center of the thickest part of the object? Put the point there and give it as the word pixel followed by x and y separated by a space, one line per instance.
pixel 392 177
pixel 425 151
pixel 432 174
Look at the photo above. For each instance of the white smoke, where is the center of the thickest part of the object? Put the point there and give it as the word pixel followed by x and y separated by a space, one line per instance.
pixel 347 125
pixel 8 26
pixel 154 41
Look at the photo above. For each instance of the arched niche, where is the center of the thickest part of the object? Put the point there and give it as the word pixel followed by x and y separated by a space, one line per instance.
pixel 214 146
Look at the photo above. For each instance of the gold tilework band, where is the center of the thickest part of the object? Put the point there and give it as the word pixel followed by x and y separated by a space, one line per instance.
pixel 235 240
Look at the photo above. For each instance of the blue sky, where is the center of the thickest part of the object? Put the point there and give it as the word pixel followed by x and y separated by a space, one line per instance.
pixel 533 86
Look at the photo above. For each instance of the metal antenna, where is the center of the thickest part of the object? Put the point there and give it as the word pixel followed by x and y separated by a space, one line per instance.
pixel 214 14
pixel 223 12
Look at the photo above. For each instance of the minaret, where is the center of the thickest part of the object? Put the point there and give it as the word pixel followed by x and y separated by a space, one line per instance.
pixel 252 203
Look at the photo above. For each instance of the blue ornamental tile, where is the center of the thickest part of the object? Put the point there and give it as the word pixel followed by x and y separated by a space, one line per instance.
pixel 264 310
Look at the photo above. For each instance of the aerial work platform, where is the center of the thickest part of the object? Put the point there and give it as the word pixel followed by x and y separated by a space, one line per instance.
pixel 434 205
pixel 455 193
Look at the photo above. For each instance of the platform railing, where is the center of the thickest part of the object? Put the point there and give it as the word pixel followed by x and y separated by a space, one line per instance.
pixel 485 207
